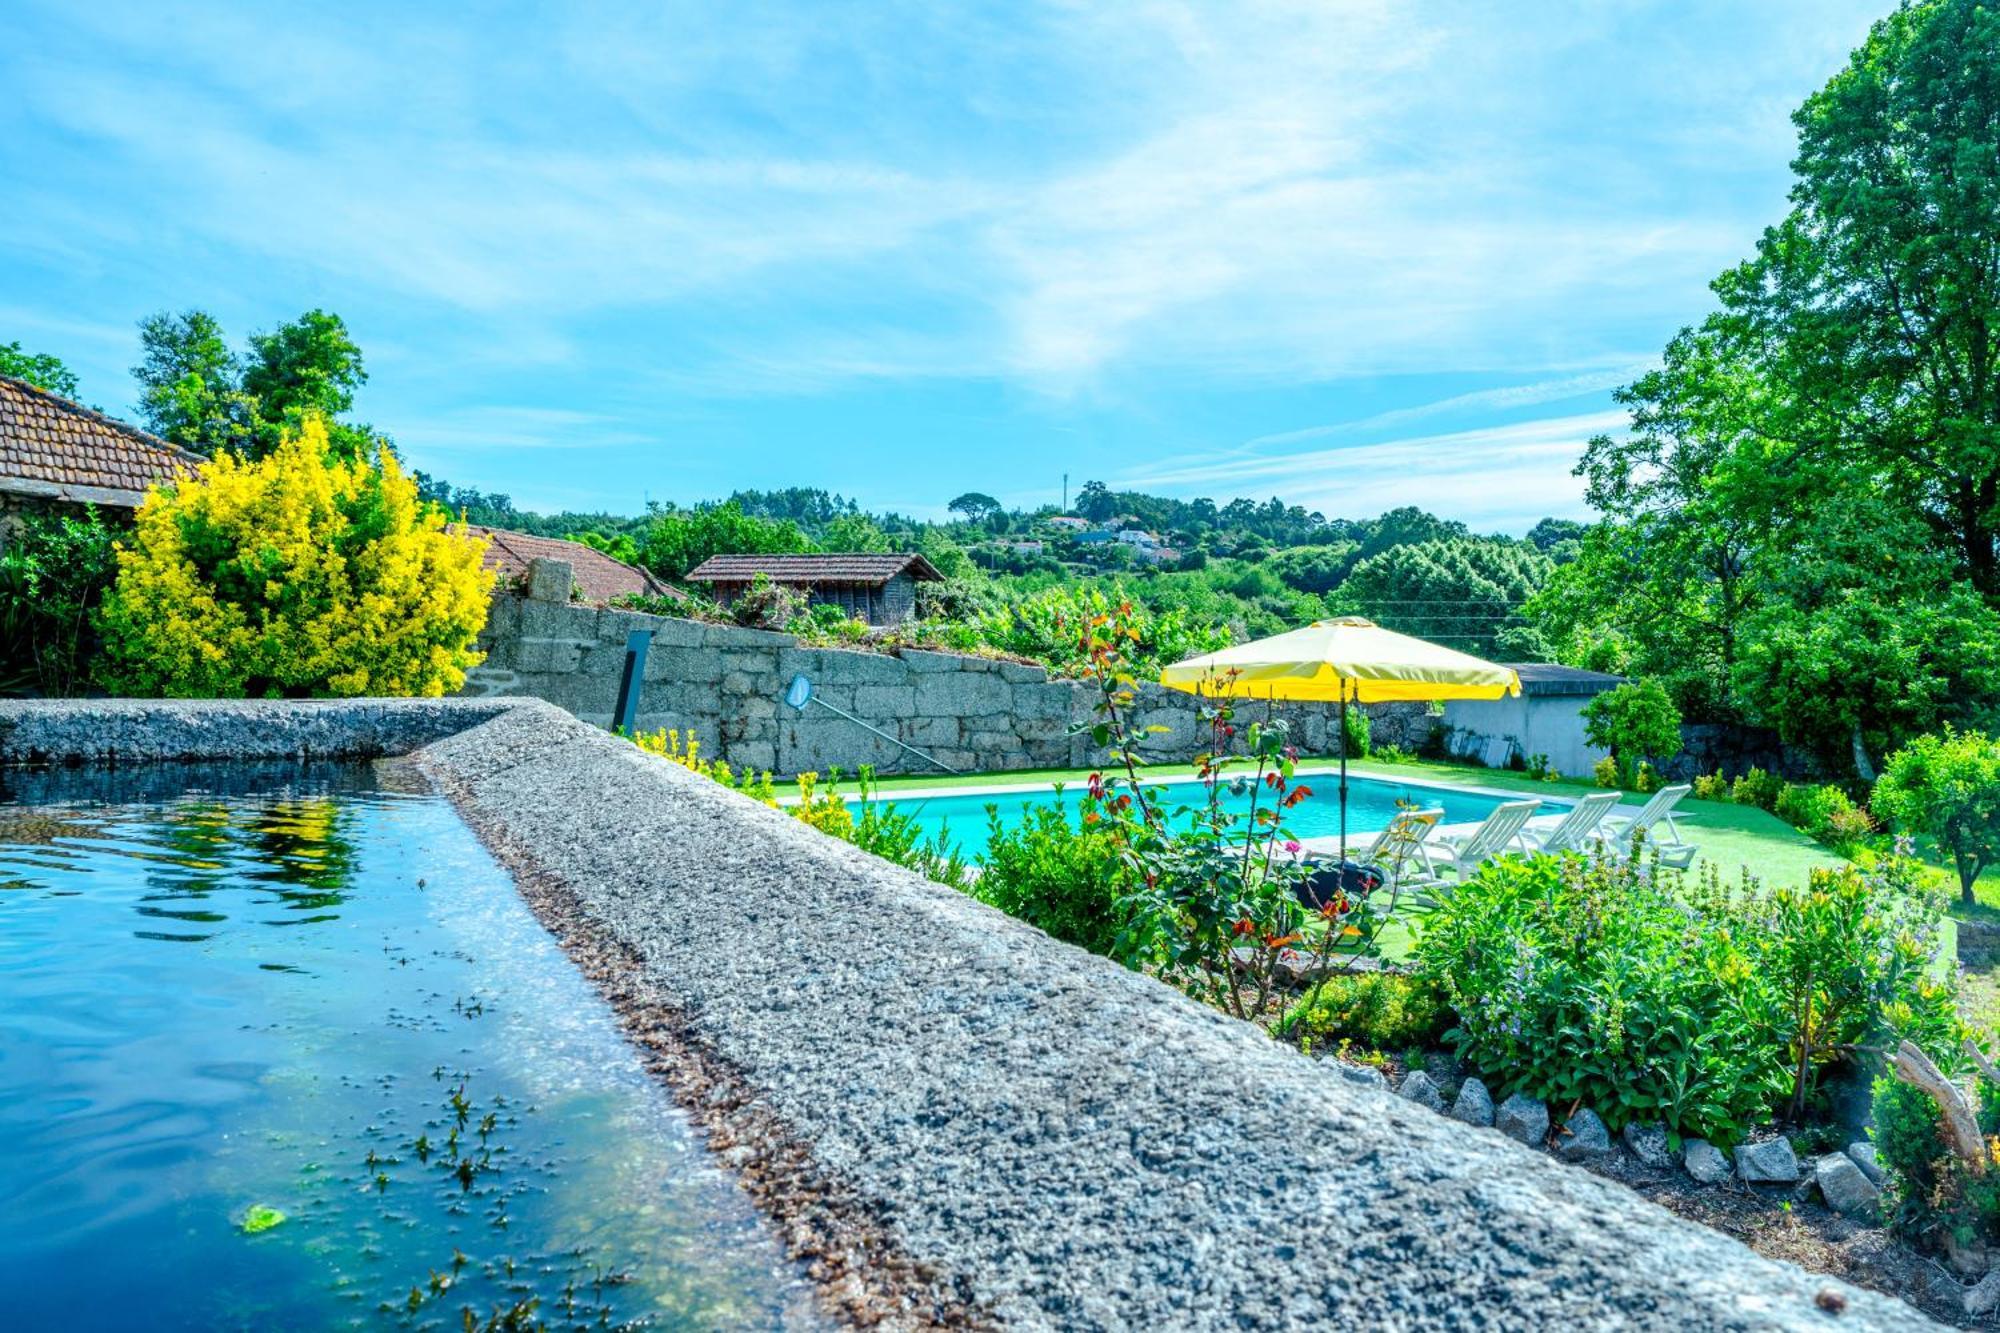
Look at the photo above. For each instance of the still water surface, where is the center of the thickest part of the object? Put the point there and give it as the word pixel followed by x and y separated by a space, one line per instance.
pixel 327 1000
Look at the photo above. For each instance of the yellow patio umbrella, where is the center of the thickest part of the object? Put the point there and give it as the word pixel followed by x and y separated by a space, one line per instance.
pixel 1349 660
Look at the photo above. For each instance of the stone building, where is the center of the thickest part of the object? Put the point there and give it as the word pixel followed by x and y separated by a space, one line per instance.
pixel 57 455
pixel 877 589
pixel 595 577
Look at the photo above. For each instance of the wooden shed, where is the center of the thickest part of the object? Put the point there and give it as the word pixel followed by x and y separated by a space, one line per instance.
pixel 877 589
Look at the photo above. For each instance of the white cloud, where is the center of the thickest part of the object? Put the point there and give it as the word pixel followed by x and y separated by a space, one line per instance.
pixel 1499 476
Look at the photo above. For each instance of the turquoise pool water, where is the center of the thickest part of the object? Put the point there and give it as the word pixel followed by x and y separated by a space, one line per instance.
pixel 328 1000
pixel 1371 805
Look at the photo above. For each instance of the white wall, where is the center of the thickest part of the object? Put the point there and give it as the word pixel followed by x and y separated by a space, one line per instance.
pixel 1550 724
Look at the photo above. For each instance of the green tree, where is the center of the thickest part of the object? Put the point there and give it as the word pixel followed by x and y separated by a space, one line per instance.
pixel 1812 479
pixel 189 383
pixel 855 532
pixel 680 539
pixel 1637 721
pixel 309 366
pixel 197 393
pixel 1461 592
pixel 1947 786
pixel 40 369
pixel 975 506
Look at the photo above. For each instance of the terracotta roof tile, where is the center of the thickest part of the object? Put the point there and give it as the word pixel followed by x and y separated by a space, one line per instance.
pixel 51 446
pixel 599 576
pixel 804 569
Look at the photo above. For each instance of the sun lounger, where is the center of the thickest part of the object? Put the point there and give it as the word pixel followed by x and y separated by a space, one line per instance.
pixel 1672 848
pixel 1500 832
pixel 1573 831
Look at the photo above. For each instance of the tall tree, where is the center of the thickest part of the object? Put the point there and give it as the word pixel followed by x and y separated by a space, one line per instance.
pixel 40 369
pixel 188 383
pixel 1812 479
pixel 309 366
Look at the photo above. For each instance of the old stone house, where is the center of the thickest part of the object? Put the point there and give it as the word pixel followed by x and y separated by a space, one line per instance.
pixel 58 455
pixel 877 589
pixel 595 577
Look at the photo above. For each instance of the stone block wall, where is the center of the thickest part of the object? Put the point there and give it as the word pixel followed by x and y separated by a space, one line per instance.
pixel 726 686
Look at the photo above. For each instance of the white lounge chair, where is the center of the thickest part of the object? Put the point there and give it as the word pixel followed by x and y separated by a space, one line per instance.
pixel 1401 850
pixel 1570 832
pixel 1673 849
pixel 1500 832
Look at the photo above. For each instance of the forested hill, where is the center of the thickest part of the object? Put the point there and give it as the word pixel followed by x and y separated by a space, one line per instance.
pixel 1254 568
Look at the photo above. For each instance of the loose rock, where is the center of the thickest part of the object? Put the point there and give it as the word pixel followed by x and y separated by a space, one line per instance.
pixel 1523 1118
pixel 1705 1162
pixel 1649 1144
pixel 1474 1105
pixel 1863 1154
pixel 1420 1088
pixel 1844 1187
pixel 1771 1161
pixel 1983 1297
pixel 1367 1075
pixel 1584 1137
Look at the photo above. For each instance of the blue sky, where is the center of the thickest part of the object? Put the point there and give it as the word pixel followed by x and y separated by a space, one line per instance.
pixel 1350 253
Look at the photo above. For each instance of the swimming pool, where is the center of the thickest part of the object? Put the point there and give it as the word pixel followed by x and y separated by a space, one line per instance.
pixel 303 1058
pixel 962 818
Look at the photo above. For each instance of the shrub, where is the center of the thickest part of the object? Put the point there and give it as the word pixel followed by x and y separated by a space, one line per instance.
pixel 54 569
pixel 1711 787
pixel 1605 772
pixel 669 745
pixel 1815 809
pixel 1377 1011
pixel 297 574
pixel 1947 786
pixel 1932 1196
pixel 1650 996
pixel 1757 788
pixel 1636 721
pixel 1056 876
pixel 1358 733
pixel 767 605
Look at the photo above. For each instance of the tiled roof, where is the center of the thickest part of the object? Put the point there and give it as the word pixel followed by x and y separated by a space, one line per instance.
pixel 599 576
pixel 851 568
pixel 1548 678
pixel 52 447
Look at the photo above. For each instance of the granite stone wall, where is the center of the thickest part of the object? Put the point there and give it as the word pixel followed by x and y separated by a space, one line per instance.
pixel 726 686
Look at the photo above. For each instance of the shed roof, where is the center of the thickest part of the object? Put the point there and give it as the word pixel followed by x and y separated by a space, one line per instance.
pixel 874 570
pixel 54 448
pixel 1548 678
pixel 599 576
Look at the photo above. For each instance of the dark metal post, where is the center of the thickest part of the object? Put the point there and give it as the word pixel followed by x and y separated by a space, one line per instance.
pixel 626 716
pixel 1343 772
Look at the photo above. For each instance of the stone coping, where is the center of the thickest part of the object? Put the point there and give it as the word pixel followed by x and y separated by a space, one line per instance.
pixel 1018 1132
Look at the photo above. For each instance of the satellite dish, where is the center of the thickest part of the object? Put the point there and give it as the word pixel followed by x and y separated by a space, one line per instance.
pixel 799 693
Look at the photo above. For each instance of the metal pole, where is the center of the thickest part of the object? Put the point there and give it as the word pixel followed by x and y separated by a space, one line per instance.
pixel 626 715
pixel 1343 772
pixel 866 726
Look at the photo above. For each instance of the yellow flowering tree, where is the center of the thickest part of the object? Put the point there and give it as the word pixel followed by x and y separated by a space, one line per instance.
pixel 299 573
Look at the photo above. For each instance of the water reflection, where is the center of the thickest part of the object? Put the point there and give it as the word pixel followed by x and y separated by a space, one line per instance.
pixel 328 1005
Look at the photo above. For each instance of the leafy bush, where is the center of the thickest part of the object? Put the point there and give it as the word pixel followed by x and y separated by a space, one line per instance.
pixel 1055 876
pixel 1711 787
pixel 1055 626
pixel 54 569
pixel 1817 810
pixel 1947 786
pixel 1377 1011
pixel 297 574
pixel 1650 996
pixel 767 605
pixel 1757 788
pixel 1636 721
pixel 1931 1195
pixel 1605 773
pixel 668 745
pixel 1358 733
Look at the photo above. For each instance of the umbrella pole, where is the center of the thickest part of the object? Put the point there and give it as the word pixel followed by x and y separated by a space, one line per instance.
pixel 1343 774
